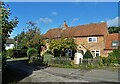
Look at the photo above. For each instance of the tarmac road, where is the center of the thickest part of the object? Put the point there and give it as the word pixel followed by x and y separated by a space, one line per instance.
pixel 54 74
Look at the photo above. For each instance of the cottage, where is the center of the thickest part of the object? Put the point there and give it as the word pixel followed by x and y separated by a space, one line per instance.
pixel 93 37
pixel 9 44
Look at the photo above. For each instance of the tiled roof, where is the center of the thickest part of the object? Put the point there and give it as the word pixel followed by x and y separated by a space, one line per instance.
pixel 110 38
pixel 82 30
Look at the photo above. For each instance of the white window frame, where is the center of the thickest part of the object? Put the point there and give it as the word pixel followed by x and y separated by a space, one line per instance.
pixel 95 52
pixel 92 40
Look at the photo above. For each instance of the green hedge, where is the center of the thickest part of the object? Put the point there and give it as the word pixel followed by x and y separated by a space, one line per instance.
pixel 87 55
pixel 47 58
pixel 32 52
pixel 10 52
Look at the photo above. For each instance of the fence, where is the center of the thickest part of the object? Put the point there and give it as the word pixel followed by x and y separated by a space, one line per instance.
pixel 90 61
pixel 20 53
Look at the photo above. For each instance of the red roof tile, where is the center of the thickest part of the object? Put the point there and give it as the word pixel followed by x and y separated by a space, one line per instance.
pixel 82 30
pixel 110 38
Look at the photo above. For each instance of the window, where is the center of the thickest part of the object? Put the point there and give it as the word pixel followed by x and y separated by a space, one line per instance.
pixel 92 39
pixel 115 43
pixel 68 52
pixel 96 53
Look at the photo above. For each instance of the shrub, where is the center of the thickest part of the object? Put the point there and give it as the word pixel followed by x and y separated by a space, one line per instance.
pixel 32 52
pixel 47 58
pixel 87 55
pixel 115 53
pixel 10 52
pixel 115 56
pixel 56 53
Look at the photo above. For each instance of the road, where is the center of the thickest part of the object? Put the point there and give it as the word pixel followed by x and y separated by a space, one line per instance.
pixel 54 74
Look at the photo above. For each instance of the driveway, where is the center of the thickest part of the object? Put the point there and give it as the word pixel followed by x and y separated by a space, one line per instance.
pixel 54 74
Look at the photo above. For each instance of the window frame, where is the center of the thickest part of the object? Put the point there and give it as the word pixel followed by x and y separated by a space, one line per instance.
pixel 92 40
pixel 117 45
pixel 96 52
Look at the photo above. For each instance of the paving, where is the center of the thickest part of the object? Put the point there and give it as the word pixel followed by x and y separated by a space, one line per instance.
pixel 54 74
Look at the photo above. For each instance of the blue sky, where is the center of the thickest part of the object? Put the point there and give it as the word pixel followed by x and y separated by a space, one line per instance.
pixel 52 15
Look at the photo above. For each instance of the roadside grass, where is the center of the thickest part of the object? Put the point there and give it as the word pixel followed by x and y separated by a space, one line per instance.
pixel 86 67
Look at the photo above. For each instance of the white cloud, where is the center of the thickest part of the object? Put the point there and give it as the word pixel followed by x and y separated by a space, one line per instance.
pixel 54 13
pixel 113 22
pixel 46 20
pixel 74 20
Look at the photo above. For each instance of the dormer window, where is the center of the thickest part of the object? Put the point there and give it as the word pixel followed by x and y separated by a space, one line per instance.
pixel 92 39
pixel 115 43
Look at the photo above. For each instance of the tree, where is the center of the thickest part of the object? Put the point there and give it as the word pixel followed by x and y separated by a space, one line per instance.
pixel 30 38
pixel 114 29
pixel 62 44
pixel 7 25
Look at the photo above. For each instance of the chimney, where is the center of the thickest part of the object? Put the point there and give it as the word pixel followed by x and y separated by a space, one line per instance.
pixel 65 25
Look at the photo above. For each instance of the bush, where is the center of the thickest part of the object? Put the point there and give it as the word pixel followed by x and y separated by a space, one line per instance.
pixel 10 52
pixel 87 55
pixel 47 58
pixel 56 53
pixel 115 56
pixel 32 52
pixel 115 53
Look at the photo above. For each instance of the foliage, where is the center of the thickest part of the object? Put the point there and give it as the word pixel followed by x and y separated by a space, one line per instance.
pixel 114 29
pixel 6 27
pixel 30 38
pixel 7 24
pixel 61 61
pixel 10 52
pixel 47 58
pixel 61 44
pixel 87 55
pixel 115 53
pixel 115 56
pixel 32 52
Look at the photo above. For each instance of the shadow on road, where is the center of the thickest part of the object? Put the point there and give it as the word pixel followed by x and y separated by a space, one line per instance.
pixel 18 70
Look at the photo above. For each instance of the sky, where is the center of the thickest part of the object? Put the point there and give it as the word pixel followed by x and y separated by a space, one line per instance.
pixel 50 15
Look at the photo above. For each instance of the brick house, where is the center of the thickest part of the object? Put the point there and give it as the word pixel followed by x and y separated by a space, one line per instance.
pixel 93 37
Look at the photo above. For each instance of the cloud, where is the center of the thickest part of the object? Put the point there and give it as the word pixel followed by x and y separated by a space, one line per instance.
pixel 54 13
pixel 46 20
pixel 113 22
pixel 74 20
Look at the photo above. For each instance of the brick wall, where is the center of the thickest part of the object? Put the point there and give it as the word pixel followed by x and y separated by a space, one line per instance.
pixel 99 45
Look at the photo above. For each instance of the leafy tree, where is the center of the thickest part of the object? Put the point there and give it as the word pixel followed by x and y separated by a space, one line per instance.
pixel 62 44
pixel 30 38
pixel 7 25
pixel 114 29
